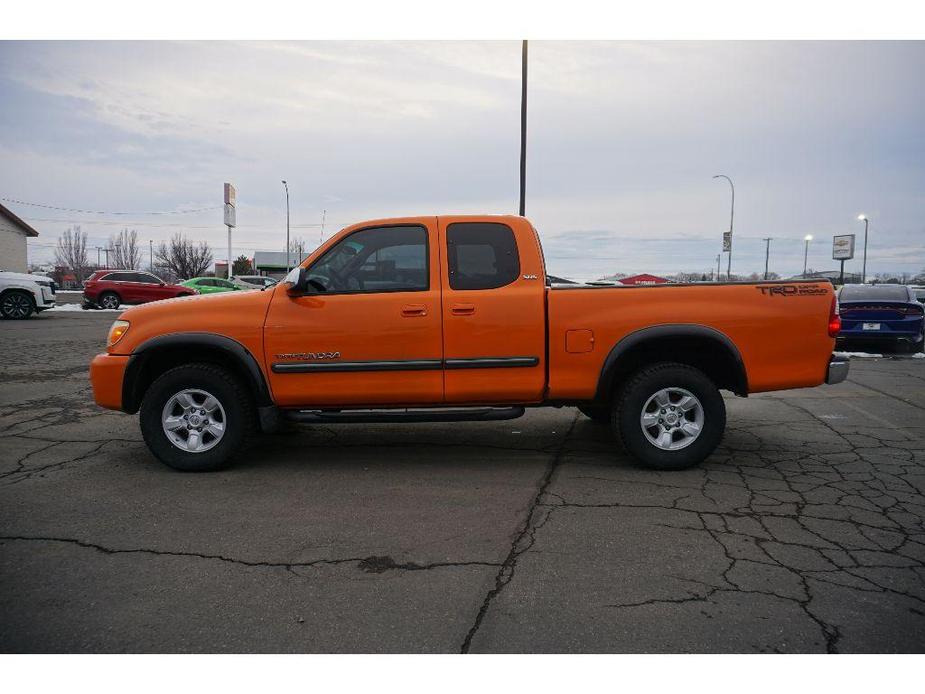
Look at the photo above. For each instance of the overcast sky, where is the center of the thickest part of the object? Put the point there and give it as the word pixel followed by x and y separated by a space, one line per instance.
pixel 623 141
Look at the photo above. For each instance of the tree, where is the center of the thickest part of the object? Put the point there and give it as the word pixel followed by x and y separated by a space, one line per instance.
pixel 183 258
pixel 241 266
pixel 71 252
pixel 123 250
pixel 299 248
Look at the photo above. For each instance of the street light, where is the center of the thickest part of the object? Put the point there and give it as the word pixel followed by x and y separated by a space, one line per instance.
pixel 807 239
pixel 863 218
pixel 731 215
pixel 286 186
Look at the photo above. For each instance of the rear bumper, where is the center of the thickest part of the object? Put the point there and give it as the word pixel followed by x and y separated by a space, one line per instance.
pixel 838 369
pixel 106 374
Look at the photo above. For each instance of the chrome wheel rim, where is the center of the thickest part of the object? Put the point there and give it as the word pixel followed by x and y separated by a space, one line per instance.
pixel 15 305
pixel 672 419
pixel 193 420
pixel 109 301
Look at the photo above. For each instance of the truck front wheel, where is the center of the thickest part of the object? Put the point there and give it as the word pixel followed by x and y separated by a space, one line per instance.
pixel 197 417
pixel 669 416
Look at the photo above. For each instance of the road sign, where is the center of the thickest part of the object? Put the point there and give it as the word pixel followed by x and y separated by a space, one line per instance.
pixel 229 216
pixel 230 194
pixel 843 247
pixel 727 241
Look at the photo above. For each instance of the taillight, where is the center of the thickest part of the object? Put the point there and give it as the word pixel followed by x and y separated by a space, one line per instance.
pixel 834 318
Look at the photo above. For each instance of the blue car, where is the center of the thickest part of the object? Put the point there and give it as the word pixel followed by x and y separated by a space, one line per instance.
pixel 884 314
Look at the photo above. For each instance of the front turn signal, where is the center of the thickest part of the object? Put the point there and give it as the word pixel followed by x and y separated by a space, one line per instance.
pixel 118 329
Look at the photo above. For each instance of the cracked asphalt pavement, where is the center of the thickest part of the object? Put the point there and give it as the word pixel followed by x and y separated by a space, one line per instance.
pixel 802 533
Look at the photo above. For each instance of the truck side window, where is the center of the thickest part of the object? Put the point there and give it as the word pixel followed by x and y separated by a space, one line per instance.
pixel 379 259
pixel 481 255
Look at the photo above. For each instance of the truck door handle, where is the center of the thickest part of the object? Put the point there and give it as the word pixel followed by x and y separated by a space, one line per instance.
pixel 462 309
pixel 414 310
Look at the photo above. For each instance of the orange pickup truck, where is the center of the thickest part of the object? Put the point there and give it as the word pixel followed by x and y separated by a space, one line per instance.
pixel 451 319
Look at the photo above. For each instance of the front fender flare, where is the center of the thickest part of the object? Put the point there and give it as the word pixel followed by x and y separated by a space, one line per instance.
pixel 141 355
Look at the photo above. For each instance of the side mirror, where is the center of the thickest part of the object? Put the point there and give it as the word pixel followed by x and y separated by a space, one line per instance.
pixel 299 285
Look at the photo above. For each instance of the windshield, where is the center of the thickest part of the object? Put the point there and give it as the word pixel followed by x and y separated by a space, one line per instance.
pixel 874 293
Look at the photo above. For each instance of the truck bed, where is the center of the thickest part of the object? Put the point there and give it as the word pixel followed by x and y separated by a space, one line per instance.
pixel 777 326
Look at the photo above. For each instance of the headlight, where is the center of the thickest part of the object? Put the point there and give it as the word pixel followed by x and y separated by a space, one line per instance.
pixel 118 329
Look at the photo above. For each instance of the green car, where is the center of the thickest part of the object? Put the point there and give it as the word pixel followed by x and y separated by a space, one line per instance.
pixel 210 285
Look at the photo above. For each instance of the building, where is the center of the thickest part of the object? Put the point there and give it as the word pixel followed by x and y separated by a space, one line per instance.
pixel 832 276
pixel 273 263
pixel 643 279
pixel 13 235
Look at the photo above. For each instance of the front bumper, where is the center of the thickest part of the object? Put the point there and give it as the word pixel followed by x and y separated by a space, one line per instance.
pixel 838 369
pixel 106 374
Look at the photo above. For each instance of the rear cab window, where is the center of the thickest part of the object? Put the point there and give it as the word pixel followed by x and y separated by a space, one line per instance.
pixel 481 255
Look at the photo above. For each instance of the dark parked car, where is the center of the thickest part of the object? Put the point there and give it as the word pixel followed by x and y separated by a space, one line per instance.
pixel 111 288
pixel 881 314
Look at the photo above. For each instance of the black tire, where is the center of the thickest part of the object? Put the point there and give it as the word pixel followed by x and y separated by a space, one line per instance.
pixel 16 304
pixel 240 416
pixel 642 386
pixel 599 414
pixel 109 300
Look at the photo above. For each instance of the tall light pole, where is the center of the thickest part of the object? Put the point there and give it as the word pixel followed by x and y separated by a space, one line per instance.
pixel 151 255
pixel 523 129
pixel 863 218
pixel 732 211
pixel 286 186
pixel 806 239
pixel 767 252
pixel 718 258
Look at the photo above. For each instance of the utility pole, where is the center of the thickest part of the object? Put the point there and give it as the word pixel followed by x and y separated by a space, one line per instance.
pixel 731 216
pixel 863 218
pixel 719 257
pixel 106 251
pixel 806 239
pixel 767 252
pixel 323 215
pixel 151 255
pixel 523 130
pixel 286 186
pixel 98 257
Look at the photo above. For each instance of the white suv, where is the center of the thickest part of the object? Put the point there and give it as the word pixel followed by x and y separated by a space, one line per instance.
pixel 22 295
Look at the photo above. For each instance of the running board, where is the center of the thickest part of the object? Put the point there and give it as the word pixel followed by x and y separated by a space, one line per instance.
pixel 467 414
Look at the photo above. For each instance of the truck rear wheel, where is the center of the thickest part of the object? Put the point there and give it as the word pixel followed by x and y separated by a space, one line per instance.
pixel 197 417
pixel 669 416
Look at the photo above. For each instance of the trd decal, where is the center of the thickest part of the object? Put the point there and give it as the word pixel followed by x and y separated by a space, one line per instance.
pixel 792 290
pixel 308 356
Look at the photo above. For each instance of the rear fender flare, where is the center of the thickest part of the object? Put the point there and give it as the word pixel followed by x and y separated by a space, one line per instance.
pixel 722 341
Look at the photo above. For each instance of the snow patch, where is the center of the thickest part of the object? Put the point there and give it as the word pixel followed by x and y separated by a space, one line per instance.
pixel 919 355
pixel 859 355
pixel 78 307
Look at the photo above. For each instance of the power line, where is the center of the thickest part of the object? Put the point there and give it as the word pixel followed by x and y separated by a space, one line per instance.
pixel 72 209
pixel 104 222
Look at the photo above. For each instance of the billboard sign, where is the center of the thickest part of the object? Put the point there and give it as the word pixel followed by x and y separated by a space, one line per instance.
pixel 229 216
pixel 843 247
pixel 230 194
pixel 727 241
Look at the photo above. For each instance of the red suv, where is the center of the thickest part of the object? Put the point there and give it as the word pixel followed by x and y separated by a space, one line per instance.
pixel 110 288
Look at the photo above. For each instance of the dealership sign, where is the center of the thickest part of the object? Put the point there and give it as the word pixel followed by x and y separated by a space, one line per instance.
pixel 843 247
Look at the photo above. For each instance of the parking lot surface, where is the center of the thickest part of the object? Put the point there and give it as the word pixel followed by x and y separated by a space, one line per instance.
pixel 803 533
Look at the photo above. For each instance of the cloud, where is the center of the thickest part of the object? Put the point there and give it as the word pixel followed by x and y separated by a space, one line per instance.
pixel 623 139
